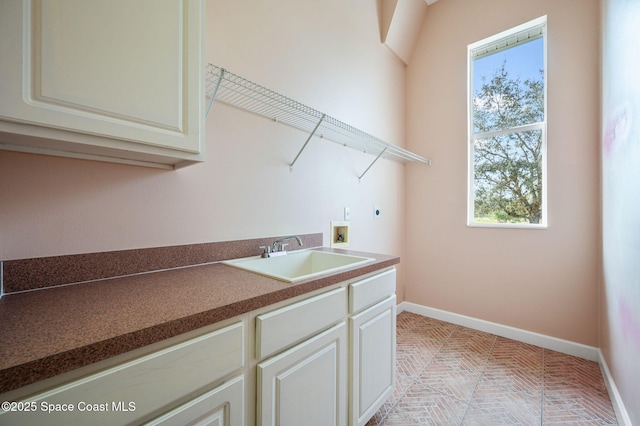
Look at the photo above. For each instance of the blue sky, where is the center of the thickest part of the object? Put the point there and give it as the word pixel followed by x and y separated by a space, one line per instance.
pixel 524 61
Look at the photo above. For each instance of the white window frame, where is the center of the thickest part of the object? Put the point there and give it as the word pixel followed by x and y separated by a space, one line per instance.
pixel 498 42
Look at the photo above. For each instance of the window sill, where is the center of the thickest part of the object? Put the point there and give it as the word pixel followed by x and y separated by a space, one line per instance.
pixel 537 226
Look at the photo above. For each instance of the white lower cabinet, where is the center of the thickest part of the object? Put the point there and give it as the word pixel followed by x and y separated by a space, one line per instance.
pixel 327 359
pixel 372 330
pixel 345 369
pixel 372 368
pixel 306 385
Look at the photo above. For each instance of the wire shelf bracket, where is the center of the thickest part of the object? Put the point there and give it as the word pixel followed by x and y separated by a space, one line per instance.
pixel 313 132
pixel 236 91
pixel 374 162
pixel 215 91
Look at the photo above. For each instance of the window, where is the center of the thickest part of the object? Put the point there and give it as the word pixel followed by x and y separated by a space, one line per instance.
pixel 507 128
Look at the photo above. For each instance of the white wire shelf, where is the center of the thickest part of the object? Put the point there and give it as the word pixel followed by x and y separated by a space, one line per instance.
pixel 231 89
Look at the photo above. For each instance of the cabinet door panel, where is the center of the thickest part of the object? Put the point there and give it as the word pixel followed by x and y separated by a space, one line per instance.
pixel 83 70
pixel 120 80
pixel 306 385
pixel 373 346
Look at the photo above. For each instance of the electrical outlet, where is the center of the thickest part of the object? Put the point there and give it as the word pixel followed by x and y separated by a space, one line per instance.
pixel 377 212
pixel 347 213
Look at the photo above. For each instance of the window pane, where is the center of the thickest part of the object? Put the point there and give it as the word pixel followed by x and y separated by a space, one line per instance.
pixel 508 178
pixel 508 88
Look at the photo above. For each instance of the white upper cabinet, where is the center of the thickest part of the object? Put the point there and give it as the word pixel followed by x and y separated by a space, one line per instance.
pixel 113 80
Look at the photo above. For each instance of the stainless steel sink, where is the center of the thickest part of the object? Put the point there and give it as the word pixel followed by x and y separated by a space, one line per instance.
pixel 299 265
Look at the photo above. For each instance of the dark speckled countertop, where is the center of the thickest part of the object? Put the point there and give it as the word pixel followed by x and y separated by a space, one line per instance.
pixel 47 332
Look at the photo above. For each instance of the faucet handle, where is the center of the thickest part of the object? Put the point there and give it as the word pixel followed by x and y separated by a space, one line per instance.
pixel 282 246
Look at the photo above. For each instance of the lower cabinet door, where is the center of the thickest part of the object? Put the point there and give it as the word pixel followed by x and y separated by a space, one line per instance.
pixel 307 384
pixel 373 349
pixel 222 406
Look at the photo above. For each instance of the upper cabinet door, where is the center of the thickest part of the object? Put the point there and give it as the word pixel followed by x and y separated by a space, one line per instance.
pixel 120 76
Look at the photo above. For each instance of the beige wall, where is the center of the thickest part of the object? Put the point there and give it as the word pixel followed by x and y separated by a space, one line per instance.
pixel 544 281
pixel 326 54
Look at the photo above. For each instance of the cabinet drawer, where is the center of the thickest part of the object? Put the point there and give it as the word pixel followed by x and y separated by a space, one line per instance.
pixel 137 388
pixel 371 290
pixel 287 326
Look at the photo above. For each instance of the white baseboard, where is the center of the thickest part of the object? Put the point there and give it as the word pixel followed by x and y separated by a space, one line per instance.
pixel 571 348
pixel 564 346
pixel 618 406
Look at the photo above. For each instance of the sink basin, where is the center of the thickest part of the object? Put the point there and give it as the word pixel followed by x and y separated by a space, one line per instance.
pixel 299 265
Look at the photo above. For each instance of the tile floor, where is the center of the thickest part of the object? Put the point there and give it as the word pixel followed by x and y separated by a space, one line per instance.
pixel 452 375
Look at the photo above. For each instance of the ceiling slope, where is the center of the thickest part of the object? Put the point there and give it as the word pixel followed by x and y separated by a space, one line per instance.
pixel 400 24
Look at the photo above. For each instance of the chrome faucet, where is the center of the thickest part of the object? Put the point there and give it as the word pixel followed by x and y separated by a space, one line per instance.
pixel 277 248
pixel 274 246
